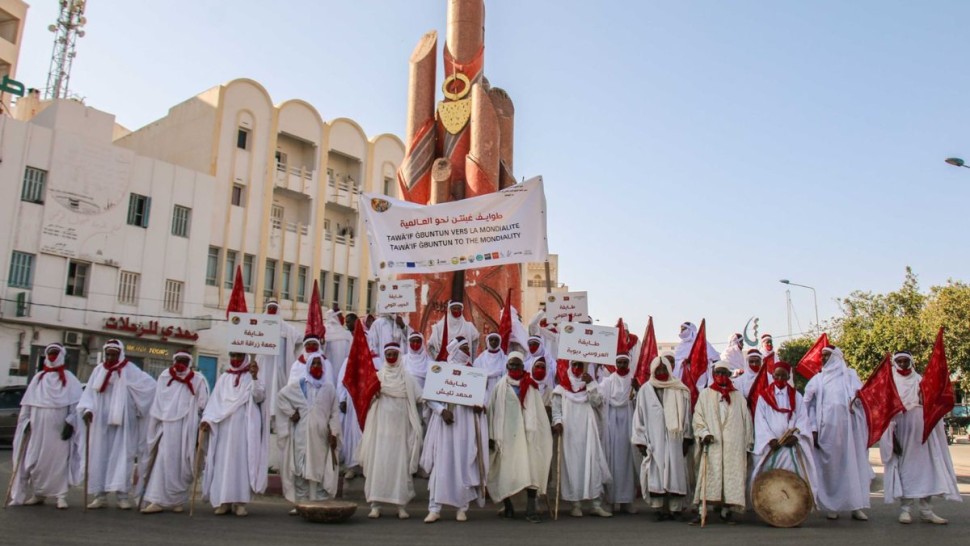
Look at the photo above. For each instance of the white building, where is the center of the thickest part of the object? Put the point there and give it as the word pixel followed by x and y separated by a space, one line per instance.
pixel 136 235
pixel 534 285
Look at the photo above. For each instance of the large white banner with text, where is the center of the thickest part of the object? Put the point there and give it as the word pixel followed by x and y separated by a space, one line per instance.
pixel 505 227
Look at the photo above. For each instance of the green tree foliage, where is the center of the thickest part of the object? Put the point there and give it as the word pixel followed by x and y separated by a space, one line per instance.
pixel 791 351
pixel 907 319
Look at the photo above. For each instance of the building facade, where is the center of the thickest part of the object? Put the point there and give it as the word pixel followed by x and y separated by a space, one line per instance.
pixel 534 285
pixel 137 235
pixel 13 14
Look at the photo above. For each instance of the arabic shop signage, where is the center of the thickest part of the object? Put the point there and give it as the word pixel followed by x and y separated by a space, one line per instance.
pixel 8 85
pixel 150 328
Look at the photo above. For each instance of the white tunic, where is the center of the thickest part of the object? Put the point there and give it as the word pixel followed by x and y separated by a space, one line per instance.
pixel 494 366
pixel 173 425
pixel 236 461
pixel 119 428
pixel 621 456
pixel 923 470
pixel 584 466
pixel 523 441
pixel 307 452
pixel 350 433
pixel 771 425
pixel 842 461
pixel 50 465
pixel 275 369
pixel 727 456
pixel 456 327
pixel 664 468
pixel 451 456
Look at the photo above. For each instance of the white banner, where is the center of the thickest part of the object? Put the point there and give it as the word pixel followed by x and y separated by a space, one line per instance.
pixel 255 334
pixel 562 307
pixel 463 385
pixel 588 343
pixel 396 297
pixel 505 227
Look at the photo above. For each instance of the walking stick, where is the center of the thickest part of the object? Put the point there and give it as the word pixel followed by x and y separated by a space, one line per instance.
pixel 17 464
pixel 198 470
pixel 555 514
pixel 148 472
pixel 483 488
pixel 87 459
pixel 340 475
pixel 704 486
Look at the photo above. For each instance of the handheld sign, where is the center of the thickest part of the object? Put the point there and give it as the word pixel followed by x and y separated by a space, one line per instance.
pixel 588 343
pixel 254 333
pixel 396 297
pixel 562 307
pixel 463 385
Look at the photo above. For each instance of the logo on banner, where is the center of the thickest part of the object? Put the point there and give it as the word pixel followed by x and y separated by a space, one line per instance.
pixel 380 205
pixel 436 369
pixel 568 329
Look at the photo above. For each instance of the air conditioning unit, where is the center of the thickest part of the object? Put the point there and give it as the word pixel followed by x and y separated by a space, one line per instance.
pixel 72 338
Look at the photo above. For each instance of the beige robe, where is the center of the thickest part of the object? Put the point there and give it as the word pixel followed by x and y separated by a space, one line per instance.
pixel 523 442
pixel 727 457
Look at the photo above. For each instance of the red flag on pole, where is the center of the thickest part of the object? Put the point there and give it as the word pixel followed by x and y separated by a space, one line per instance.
pixel 937 391
pixel 811 363
pixel 360 379
pixel 697 362
pixel 625 340
pixel 237 300
pixel 562 372
pixel 759 387
pixel 647 353
pixel 443 350
pixel 505 323
pixel 314 315
pixel 880 399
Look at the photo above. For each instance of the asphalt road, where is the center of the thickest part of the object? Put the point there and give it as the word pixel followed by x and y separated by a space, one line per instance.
pixel 268 523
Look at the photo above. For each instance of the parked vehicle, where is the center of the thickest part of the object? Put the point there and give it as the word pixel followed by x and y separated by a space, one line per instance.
pixel 956 422
pixel 10 411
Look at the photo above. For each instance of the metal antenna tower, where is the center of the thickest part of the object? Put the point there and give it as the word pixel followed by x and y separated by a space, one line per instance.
pixel 67 30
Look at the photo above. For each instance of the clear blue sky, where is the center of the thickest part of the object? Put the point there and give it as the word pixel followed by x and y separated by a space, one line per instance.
pixel 694 152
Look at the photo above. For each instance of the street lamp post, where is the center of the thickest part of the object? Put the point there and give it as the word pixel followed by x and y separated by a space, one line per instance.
pixel 818 325
pixel 956 162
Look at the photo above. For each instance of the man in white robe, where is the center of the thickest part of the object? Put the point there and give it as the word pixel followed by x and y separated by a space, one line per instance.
pixel 238 427
pixel 915 471
pixel 309 407
pixel 662 432
pixel 417 359
pixel 752 364
pixel 453 449
pixel 734 353
pixel 520 441
pixel 576 408
pixel 47 422
pixel 311 345
pixel 336 340
pixel 722 423
pixel 688 333
pixel 115 406
pixel 390 449
pixel 840 434
pixel 618 396
pixel 456 326
pixel 276 368
pixel 782 432
pixel 537 349
pixel 492 360
pixel 173 430
pixel 386 328
pixel 539 372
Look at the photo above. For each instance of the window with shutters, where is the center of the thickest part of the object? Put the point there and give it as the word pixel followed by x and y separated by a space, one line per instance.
pixel 180 221
pixel 138 208
pixel 173 296
pixel 128 288
pixel 34 182
pixel 21 270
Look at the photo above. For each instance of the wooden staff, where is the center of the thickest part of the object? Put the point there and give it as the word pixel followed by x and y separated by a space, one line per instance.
pixel 555 515
pixel 148 471
pixel 87 458
pixel 16 469
pixel 704 486
pixel 198 470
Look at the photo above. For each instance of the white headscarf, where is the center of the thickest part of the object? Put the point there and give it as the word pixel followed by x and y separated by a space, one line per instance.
pixel 310 380
pixel 618 387
pixel 733 354
pixel 835 377
pixel 674 403
pixel 47 391
pixel 335 331
pixel 907 385
pixel 457 357
pixel 416 362
pixel 578 393
pixel 687 336
pixel 455 324
pixel 392 376
pixel 493 362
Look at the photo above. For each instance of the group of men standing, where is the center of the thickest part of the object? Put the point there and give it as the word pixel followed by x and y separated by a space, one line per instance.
pixel 605 434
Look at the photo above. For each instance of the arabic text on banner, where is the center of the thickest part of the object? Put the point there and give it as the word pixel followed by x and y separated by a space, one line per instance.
pixel 505 227
pixel 588 343
pixel 567 307
pixel 463 385
pixel 255 334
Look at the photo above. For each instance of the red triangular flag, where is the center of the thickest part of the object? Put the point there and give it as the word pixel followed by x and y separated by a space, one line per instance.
pixel 505 323
pixel 360 378
pixel 880 399
pixel 697 362
pixel 760 386
pixel 811 363
pixel 562 373
pixel 237 300
pixel 647 353
pixel 937 391
pixel 314 316
pixel 443 350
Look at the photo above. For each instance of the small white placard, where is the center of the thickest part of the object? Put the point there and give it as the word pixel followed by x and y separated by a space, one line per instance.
pixel 563 307
pixel 396 296
pixel 463 385
pixel 254 333
pixel 588 343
